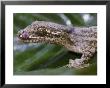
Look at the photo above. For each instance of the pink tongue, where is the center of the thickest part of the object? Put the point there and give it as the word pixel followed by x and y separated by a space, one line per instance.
pixel 25 35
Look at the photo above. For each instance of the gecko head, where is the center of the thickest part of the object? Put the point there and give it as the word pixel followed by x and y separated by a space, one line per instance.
pixel 41 32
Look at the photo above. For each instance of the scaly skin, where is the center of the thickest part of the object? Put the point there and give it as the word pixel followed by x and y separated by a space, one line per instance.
pixel 76 39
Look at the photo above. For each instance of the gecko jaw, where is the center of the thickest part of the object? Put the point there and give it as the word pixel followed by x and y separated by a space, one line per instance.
pixel 31 37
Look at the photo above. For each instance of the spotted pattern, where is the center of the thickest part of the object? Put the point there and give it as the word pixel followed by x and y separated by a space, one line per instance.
pixel 76 39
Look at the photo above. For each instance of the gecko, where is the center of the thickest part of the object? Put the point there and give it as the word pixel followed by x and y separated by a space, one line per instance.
pixel 81 40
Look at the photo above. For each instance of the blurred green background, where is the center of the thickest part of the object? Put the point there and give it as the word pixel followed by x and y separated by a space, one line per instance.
pixel 49 59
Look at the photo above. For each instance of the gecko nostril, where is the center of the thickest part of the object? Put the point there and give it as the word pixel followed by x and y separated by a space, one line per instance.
pixel 25 35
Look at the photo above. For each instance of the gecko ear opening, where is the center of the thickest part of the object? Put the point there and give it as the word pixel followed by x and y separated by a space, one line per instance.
pixel 71 30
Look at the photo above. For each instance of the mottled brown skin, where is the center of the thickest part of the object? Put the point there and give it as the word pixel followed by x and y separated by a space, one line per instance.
pixel 76 39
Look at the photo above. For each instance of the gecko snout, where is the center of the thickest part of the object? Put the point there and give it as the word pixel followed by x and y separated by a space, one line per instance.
pixel 23 34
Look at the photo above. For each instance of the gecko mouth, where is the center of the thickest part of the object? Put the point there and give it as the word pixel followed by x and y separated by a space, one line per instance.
pixel 27 37
pixel 31 39
pixel 24 36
